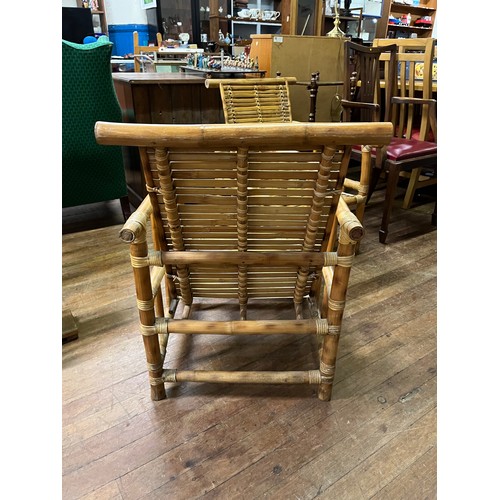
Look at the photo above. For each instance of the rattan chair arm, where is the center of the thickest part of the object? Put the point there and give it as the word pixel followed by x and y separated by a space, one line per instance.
pixel 350 227
pixel 136 224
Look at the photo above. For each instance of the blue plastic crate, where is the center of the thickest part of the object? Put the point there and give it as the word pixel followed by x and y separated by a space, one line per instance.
pixel 122 36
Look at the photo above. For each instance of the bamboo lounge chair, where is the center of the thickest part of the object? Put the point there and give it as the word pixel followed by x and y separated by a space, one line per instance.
pixel 242 212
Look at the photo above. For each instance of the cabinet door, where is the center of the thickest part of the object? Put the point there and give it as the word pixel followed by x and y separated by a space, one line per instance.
pixel 305 18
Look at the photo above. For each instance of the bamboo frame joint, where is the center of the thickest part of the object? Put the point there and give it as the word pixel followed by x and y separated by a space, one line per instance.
pixel 156 380
pixel 336 305
pixel 148 330
pixel 169 375
pixel 334 330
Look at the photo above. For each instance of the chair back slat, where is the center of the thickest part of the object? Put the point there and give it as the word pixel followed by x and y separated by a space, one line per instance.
pixel 414 80
pixel 256 100
pixel 364 68
pixel 248 188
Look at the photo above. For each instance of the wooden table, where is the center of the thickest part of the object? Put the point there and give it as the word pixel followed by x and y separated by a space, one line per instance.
pixel 162 98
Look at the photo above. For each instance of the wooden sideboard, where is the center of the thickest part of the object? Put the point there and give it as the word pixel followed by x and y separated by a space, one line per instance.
pixel 299 56
pixel 162 98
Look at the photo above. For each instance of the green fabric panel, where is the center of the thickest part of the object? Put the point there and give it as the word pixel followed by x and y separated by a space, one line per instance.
pixel 90 172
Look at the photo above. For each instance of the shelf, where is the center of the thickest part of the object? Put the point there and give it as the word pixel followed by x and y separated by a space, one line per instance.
pixel 412 28
pixel 254 21
pixel 267 23
pixel 427 8
pixel 412 9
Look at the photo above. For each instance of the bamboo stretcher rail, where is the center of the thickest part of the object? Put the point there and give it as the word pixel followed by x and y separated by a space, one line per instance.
pixel 281 327
pixel 247 377
pixel 251 258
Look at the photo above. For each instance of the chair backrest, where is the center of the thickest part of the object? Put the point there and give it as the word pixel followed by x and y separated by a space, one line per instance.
pixel 363 70
pixel 414 73
pixel 90 172
pixel 144 51
pixel 257 187
pixel 425 47
pixel 249 100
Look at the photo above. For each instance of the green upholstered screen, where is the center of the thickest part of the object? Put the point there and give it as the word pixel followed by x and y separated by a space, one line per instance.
pixel 90 172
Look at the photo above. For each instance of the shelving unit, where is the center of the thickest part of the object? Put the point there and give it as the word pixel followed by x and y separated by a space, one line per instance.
pixel 243 28
pixel 297 17
pixel 398 9
pixel 101 14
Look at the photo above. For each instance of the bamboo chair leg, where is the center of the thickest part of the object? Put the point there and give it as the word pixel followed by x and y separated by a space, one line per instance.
pixel 328 359
pixel 335 311
pixel 335 303
pixel 147 317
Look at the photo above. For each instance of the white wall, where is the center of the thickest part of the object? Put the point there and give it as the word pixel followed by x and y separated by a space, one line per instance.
pixel 125 12
pixel 118 11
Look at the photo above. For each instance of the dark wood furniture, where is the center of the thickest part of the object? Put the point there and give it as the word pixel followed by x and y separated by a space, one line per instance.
pixel 299 57
pixel 412 152
pixel 162 98
pixel 362 102
pixel 398 9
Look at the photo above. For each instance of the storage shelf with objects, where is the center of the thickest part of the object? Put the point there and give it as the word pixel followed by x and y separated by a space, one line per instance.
pixel 98 11
pixel 404 19
pixel 255 17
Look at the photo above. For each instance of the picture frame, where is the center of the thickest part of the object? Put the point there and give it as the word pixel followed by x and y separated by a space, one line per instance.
pixel 148 4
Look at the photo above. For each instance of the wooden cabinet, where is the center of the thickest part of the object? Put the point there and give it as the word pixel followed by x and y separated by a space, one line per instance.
pixel 302 17
pixel 401 11
pixel 161 98
pixel 299 56
pixel 297 17
pixel 243 27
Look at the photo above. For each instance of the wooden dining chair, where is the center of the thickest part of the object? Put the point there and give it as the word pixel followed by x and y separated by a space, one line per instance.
pixel 250 100
pixel 144 52
pixel 363 101
pixel 412 152
pixel 242 213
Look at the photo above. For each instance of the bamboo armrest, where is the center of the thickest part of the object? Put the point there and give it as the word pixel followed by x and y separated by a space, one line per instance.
pixel 413 100
pixel 136 224
pixel 350 227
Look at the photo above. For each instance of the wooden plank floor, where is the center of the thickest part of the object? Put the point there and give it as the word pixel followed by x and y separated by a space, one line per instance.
pixel 375 439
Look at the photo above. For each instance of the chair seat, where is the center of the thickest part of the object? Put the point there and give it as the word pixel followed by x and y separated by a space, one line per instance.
pixel 402 149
